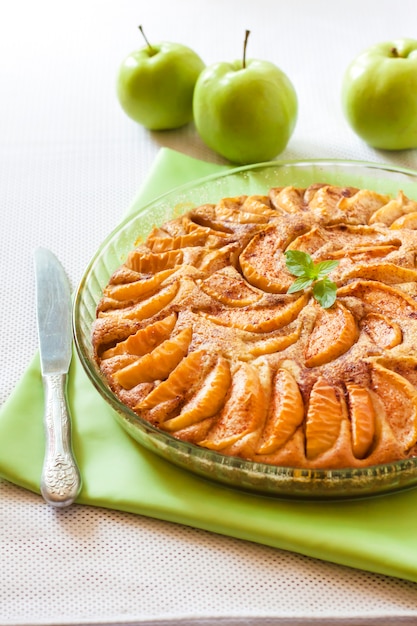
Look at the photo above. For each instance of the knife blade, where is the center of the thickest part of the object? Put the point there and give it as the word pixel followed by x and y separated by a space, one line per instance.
pixel 60 480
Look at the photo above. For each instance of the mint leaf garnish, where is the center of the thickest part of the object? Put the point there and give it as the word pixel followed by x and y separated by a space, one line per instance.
pixel 299 284
pixel 309 274
pixel 299 263
pixel 324 292
pixel 325 267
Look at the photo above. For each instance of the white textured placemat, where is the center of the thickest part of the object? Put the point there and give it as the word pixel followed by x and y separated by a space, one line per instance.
pixel 70 165
pixel 91 564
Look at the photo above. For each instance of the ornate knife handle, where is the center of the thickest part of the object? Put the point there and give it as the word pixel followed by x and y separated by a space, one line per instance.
pixel 60 481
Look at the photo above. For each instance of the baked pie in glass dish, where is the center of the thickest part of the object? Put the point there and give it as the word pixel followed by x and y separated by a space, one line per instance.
pixel 221 353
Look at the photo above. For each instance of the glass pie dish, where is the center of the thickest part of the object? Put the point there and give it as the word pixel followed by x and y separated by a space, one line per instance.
pixel 236 472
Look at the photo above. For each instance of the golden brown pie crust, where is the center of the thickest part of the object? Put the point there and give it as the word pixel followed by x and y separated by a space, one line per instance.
pixel 197 334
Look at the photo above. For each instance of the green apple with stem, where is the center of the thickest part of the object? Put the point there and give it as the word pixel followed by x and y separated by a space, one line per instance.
pixel 155 84
pixel 379 95
pixel 245 110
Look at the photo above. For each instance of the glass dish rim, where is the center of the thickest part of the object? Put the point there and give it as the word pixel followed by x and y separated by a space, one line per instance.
pixel 255 166
pixel 124 412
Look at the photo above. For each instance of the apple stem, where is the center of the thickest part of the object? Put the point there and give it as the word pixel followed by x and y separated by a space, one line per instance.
pixel 394 53
pixel 151 49
pixel 245 43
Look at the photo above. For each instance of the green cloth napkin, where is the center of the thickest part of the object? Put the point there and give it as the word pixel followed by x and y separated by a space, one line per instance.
pixel 377 534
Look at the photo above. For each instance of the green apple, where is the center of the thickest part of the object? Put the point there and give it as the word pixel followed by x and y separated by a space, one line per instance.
pixel 379 95
pixel 155 84
pixel 245 110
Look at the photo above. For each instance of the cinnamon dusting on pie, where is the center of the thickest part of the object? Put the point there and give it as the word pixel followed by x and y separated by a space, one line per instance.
pixel 197 334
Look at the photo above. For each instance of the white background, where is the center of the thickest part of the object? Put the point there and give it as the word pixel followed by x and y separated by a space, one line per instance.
pixel 71 163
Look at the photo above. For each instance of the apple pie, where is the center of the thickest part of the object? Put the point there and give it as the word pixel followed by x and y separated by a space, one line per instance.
pixel 199 333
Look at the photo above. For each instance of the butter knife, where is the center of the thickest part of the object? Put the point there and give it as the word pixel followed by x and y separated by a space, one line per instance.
pixel 60 480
